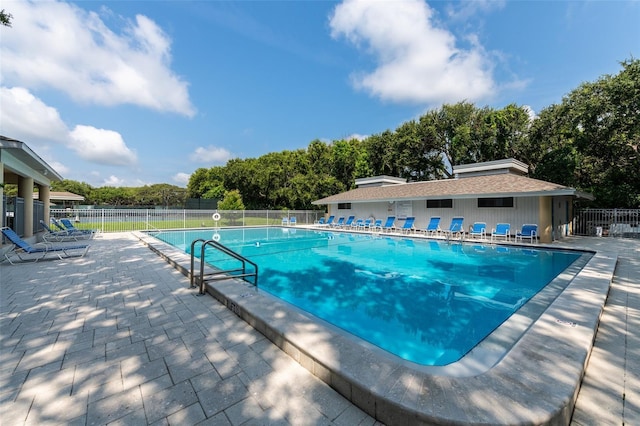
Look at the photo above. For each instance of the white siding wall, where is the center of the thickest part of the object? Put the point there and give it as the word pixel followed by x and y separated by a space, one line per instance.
pixel 525 210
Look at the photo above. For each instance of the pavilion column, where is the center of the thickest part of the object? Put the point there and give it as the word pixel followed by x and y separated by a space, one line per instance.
pixel 44 195
pixel 25 191
pixel 545 226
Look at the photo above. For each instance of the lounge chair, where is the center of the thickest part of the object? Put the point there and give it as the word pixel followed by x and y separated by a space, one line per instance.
pixel 59 236
pixel 502 230
pixel 455 228
pixel 339 223
pixel 66 223
pixel 329 221
pixel 433 228
pixel 407 227
pixel 58 224
pixel 40 251
pixel 366 224
pixel 529 231
pixel 293 221
pixel 348 223
pixel 389 224
pixel 320 221
pixel 376 225
pixel 479 229
pixel 357 224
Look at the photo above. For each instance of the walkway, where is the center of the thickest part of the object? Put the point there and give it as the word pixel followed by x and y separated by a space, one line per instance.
pixel 118 338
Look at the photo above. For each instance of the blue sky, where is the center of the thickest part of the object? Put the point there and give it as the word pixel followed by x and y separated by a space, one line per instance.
pixel 129 93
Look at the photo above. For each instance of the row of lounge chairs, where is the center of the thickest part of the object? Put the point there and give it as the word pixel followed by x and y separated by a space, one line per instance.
pixel 24 251
pixel 455 230
pixel 61 239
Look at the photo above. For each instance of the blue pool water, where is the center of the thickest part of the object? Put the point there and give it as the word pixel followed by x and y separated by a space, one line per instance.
pixel 427 301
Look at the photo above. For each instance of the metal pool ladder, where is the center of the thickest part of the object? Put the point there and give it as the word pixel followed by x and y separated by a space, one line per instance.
pixel 220 274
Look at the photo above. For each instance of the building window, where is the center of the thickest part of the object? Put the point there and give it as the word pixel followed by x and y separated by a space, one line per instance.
pixel 344 206
pixel 444 203
pixel 495 202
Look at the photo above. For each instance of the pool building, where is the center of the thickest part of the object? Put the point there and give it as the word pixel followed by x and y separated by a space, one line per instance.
pixel 492 192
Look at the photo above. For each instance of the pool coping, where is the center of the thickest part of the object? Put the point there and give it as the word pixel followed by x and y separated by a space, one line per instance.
pixel 536 382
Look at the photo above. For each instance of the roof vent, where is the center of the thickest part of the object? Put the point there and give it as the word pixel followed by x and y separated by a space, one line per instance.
pixel 508 165
pixel 379 181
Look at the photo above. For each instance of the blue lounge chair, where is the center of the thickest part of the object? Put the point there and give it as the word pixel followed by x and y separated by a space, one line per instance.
pixel 479 229
pixel 408 225
pixel 433 228
pixel 320 221
pixel 329 221
pixel 358 223
pixel 58 224
pixel 59 236
pixel 293 221
pixel 339 223
pixel 502 230
pixel 348 223
pixel 389 224
pixel 376 225
pixel 366 224
pixel 21 248
pixel 529 231
pixel 67 225
pixel 456 228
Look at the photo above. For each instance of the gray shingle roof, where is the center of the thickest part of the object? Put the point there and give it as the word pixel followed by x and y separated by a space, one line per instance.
pixel 498 185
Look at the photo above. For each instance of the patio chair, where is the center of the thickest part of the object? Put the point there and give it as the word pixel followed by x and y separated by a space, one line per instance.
pixel 329 221
pixel 68 226
pixel 358 223
pixel 348 223
pixel 407 227
pixel 479 229
pixel 339 223
pixel 320 221
pixel 529 232
pixel 389 224
pixel 433 227
pixel 293 221
pixel 59 236
pixel 40 251
pixel 455 228
pixel 502 230
pixel 366 224
pixel 285 221
pixel 376 225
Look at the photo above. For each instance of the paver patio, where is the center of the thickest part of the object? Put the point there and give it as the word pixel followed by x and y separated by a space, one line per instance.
pixel 117 337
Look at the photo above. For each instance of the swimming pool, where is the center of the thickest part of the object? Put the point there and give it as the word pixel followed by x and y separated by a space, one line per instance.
pixel 427 301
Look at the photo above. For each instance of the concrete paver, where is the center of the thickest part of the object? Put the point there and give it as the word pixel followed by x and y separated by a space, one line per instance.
pixel 117 337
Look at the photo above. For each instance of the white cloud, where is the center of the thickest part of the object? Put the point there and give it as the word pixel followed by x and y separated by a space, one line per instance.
pixel 101 146
pixel 181 178
pixel 417 61
pixel 357 136
pixel 113 181
pixel 25 117
pixel 28 119
pixel 210 154
pixel 73 51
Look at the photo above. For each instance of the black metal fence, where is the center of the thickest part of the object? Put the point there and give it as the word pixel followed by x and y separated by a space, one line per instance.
pixel 607 223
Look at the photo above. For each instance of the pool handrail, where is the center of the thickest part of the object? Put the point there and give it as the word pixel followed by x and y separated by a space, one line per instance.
pixel 219 274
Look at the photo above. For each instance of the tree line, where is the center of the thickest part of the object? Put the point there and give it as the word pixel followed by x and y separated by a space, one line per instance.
pixel 589 141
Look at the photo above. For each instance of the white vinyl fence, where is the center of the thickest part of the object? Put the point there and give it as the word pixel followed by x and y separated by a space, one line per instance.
pixel 120 220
